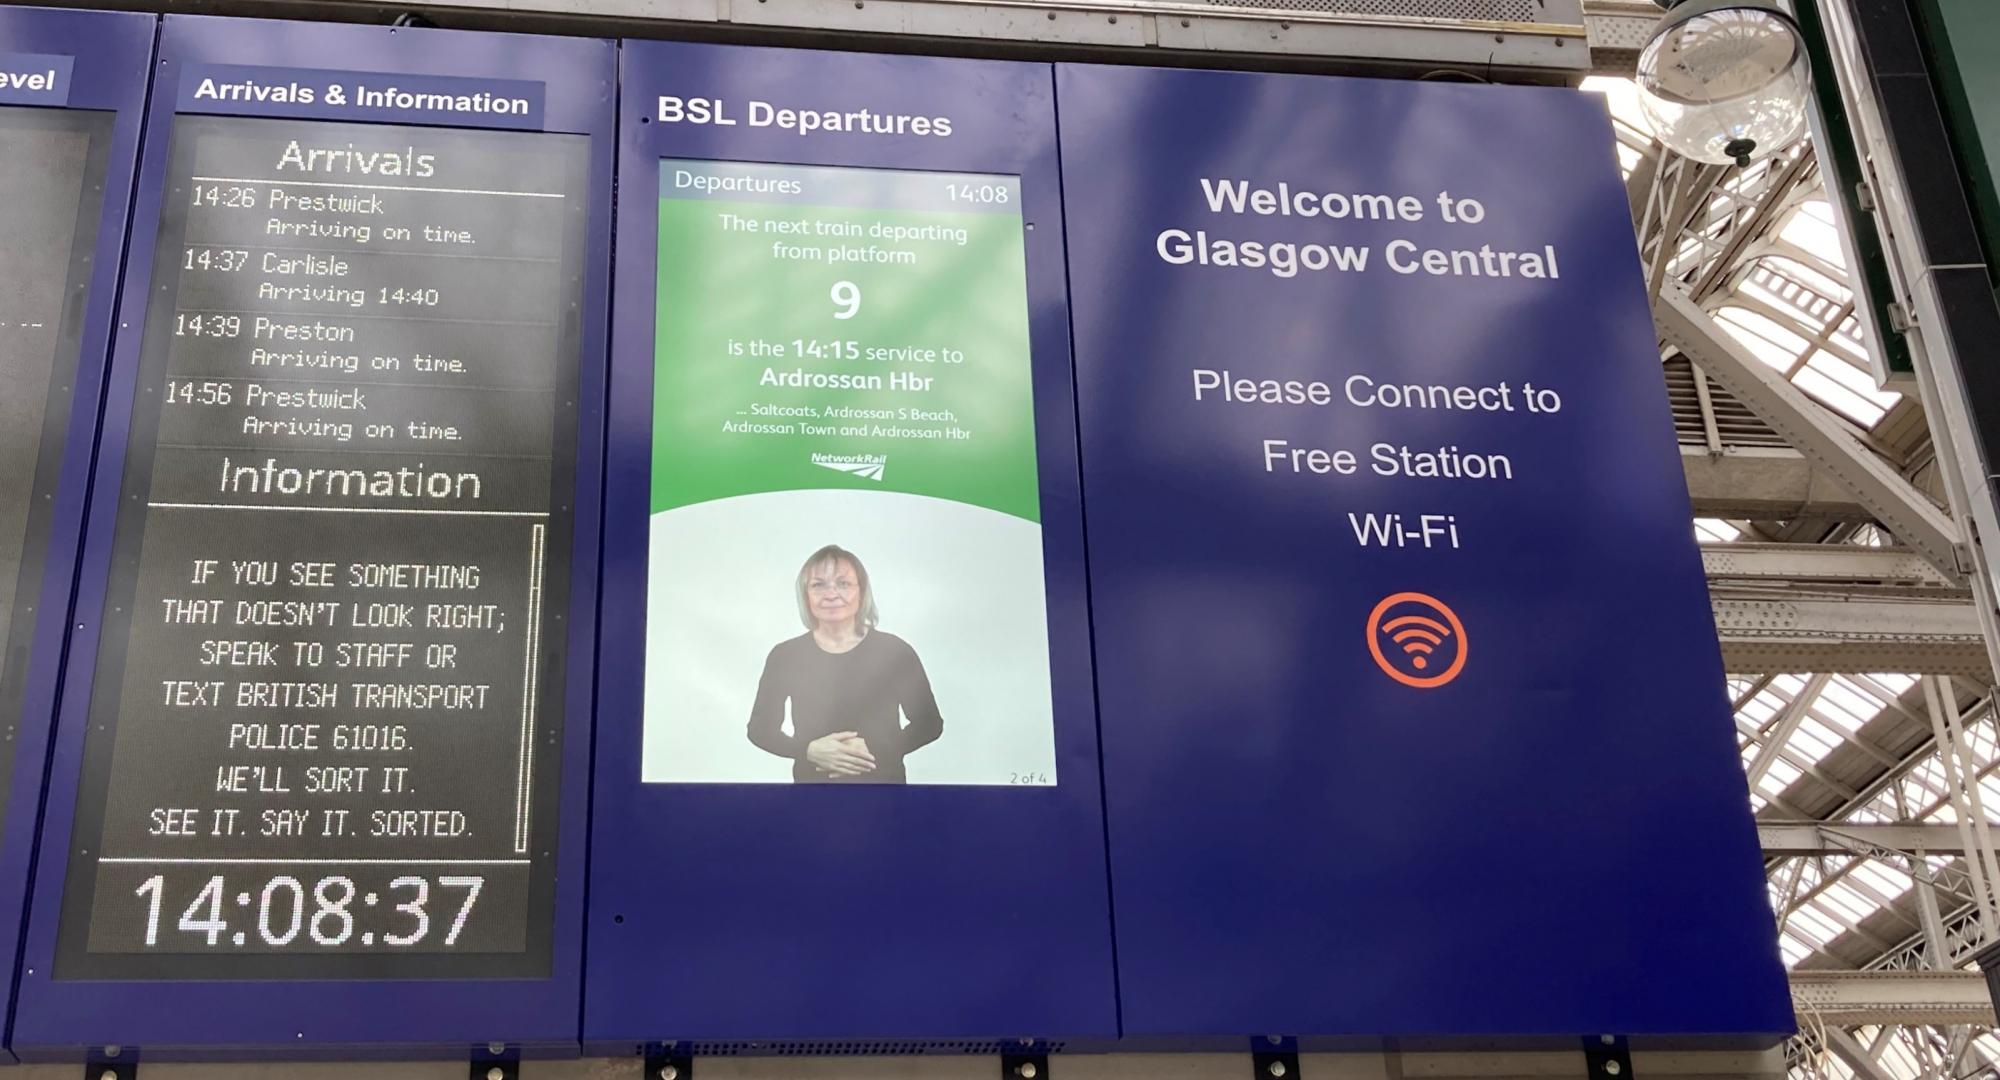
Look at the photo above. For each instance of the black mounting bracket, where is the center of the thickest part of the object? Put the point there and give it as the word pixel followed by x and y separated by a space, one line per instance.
pixel 1606 1057
pixel 495 1069
pixel 668 1063
pixel 111 1070
pixel 1279 1061
pixel 1024 1067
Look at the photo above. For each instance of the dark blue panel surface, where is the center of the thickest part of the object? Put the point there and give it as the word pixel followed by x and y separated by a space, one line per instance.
pixel 207 1016
pixel 101 60
pixel 1555 839
pixel 35 78
pixel 721 911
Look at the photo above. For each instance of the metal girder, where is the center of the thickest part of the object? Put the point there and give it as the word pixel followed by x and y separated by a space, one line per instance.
pixel 1857 1057
pixel 1853 998
pixel 1963 775
pixel 1764 484
pixel 1752 230
pixel 1851 636
pixel 1842 838
pixel 1619 30
pixel 1963 939
pixel 1553 43
pixel 1685 191
pixel 1639 189
pixel 1831 564
pixel 1826 440
pixel 1772 742
pixel 1565 39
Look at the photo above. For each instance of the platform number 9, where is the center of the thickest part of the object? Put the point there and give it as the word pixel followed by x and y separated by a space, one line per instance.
pixel 847 296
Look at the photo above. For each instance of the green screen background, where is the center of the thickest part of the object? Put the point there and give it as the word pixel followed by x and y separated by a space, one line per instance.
pixel 719 285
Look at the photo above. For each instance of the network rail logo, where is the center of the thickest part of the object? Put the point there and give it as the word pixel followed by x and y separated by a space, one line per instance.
pixel 865 466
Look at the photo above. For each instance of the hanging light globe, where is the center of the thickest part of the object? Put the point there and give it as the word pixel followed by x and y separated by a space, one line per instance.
pixel 1725 81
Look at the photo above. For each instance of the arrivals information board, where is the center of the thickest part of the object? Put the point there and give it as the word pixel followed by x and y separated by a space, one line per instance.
pixel 331 599
pixel 332 714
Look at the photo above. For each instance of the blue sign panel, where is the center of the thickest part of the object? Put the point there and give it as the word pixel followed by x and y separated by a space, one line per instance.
pixel 846 784
pixel 1405 663
pixel 35 78
pixel 67 174
pixel 322 763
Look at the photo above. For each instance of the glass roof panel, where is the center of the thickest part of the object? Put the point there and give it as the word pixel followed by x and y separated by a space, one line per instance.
pixel 1715 531
pixel 1771 342
pixel 1810 227
pixel 1814 380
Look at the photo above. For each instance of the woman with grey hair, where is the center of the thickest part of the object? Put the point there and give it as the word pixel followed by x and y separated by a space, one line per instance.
pixel 849 684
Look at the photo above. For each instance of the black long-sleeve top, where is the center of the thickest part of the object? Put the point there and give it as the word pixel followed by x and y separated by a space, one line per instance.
pixel 860 690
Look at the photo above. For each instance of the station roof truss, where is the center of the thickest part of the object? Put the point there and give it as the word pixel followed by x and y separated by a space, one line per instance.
pixel 1870 746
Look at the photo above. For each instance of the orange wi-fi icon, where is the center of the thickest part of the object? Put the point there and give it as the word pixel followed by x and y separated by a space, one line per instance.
pixel 1418 627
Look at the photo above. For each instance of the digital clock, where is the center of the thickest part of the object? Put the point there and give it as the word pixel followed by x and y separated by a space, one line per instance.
pixel 331 912
pixel 988 194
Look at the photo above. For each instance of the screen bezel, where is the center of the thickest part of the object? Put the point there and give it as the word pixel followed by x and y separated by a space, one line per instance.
pixel 17 644
pixel 947 858
pixel 108 54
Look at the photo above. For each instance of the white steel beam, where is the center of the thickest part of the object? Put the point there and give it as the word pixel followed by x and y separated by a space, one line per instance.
pixel 1854 998
pixel 1826 440
pixel 1827 564
pixel 1963 780
pixel 1556 42
pixel 1619 30
pixel 1771 743
pixel 1763 483
pixel 1857 1057
pixel 1784 838
pixel 1851 636
pixel 1639 189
